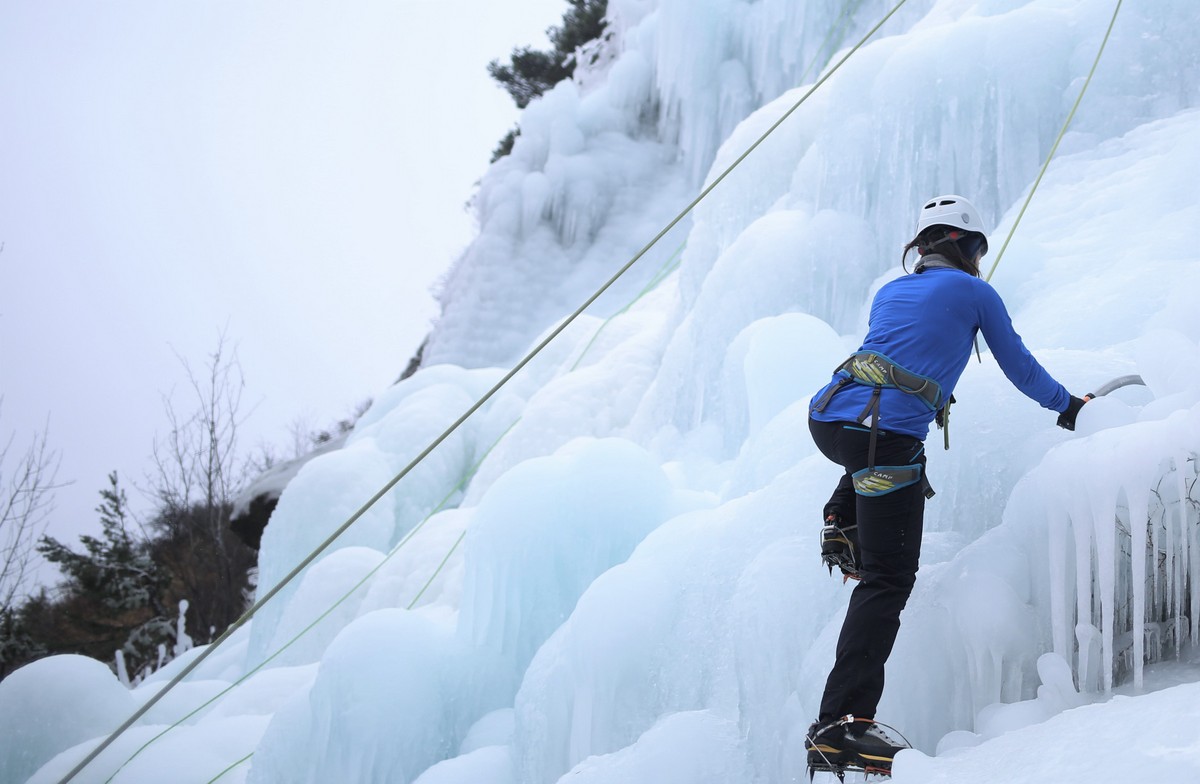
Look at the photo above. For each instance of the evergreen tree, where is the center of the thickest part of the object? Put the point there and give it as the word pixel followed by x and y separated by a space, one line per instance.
pixel 126 589
pixel 505 147
pixel 531 72
pixel 113 596
pixel 17 645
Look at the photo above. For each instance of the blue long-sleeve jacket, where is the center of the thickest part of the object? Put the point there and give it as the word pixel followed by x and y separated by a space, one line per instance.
pixel 926 323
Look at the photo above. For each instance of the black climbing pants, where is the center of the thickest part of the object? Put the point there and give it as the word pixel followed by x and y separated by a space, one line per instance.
pixel 889 537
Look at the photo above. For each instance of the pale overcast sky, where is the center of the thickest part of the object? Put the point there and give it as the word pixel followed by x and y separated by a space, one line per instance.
pixel 293 172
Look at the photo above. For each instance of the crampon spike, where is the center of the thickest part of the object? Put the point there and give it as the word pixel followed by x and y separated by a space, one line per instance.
pixel 869 774
pixel 837 770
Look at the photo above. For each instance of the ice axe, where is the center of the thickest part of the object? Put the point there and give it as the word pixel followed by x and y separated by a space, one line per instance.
pixel 1066 419
pixel 1117 383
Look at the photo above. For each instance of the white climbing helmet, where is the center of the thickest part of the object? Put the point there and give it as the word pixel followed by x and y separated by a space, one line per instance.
pixel 950 210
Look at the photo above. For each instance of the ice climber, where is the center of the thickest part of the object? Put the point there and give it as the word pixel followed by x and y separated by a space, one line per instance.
pixel 872 419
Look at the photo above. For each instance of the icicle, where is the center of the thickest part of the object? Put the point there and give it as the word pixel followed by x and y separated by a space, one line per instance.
pixel 1183 566
pixel 1060 612
pixel 122 672
pixel 1083 595
pixel 1177 556
pixel 183 643
pixel 1161 587
pixel 1194 572
pixel 1087 637
pixel 1103 508
pixel 1139 521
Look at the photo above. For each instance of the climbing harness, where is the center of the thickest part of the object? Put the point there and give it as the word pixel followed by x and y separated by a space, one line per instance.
pixel 872 369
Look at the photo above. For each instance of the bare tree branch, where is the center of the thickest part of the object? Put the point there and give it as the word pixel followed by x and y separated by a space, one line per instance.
pixel 198 470
pixel 197 462
pixel 27 487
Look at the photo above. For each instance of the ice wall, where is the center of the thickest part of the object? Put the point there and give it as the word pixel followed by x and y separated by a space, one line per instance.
pixel 587 183
pixel 52 716
pixel 596 172
pixel 834 216
pixel 615 576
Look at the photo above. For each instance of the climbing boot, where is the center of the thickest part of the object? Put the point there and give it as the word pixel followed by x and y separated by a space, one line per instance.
pixel 849 742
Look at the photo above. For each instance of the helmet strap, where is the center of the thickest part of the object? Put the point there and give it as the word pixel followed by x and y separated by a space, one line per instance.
pixel 950 236
pixel 958 258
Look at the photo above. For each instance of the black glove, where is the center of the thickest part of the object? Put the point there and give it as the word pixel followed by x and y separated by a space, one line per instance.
pixel 839 547
pixel 1066 420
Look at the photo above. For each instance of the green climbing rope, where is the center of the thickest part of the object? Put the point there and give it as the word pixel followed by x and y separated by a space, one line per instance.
pixel 462 482
pixel 669 266
pixel 849 8
pixel 230 768
pixel 1054 147
pixel 307 560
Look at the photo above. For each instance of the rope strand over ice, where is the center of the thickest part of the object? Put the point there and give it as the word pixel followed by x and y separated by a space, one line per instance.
pixel 345 596
pixel 295 572
pixel 1054 147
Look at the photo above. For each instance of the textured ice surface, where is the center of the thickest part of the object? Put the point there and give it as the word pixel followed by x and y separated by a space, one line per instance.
pixel 623 582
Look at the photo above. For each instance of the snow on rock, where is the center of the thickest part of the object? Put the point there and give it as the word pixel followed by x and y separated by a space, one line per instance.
pixel 322 496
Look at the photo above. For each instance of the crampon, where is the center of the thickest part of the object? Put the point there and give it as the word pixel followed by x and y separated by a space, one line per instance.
pixel 848 745
pixel 857 773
